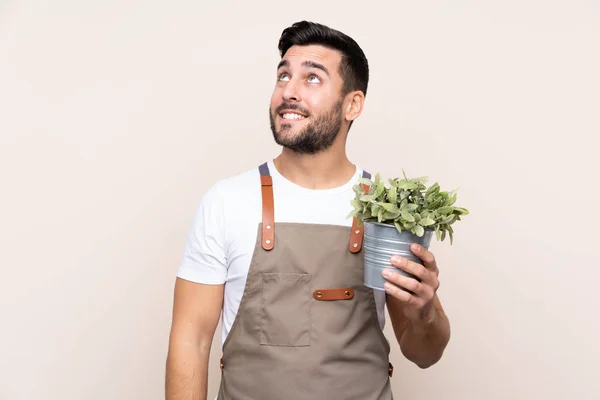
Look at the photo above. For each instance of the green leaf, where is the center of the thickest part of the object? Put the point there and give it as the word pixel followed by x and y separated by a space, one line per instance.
pixel 432 189
pixel 451 199
pixel 356 203
pixel 426 222
pixel 407 217
pixel 377 179
pixel 380 189
pixel 422 179
pixel 375 210
pixel 445 210
pixel 437 203
pixel 443 196
pixel 391 215
pixel 398 226
pixel 443 235
pixel 461 211
pixel 417 217
pixel 409 225
pixel 448 220
pixel 380 215
pixel 451 234
pixel 407 185
pixel 419 230
pixel 358 189
pixel 393 195
pixel 389 207
pixel 408 207
pixel 367 198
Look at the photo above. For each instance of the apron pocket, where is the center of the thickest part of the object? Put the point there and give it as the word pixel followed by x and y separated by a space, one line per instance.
pixel 285 308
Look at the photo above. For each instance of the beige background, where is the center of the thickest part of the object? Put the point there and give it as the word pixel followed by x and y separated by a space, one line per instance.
pixel 116 116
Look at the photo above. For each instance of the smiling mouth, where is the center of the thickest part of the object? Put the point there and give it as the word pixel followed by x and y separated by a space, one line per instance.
pixel 291 116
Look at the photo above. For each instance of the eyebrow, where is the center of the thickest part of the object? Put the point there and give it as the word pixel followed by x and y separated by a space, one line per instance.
pixel 308 64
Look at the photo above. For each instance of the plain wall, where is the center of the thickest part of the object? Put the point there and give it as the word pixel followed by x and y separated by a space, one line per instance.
pixel 116 116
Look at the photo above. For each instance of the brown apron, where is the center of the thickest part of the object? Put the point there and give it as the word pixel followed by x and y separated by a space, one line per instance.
pixel 307 326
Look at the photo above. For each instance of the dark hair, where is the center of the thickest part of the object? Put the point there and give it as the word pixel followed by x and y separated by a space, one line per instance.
pixel 354 67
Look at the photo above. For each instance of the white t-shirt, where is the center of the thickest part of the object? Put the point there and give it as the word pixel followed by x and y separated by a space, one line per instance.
pixel 221 241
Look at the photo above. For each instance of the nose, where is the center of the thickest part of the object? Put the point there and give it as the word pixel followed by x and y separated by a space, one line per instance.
pixel 291 92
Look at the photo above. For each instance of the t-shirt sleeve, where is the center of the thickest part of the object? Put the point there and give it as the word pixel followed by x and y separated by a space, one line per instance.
pixel 204 256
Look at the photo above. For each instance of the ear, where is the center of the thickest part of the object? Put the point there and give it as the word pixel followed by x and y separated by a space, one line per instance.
pixel 354 105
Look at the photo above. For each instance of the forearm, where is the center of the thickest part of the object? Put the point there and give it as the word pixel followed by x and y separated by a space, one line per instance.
pixel 187 371
pixel 424 341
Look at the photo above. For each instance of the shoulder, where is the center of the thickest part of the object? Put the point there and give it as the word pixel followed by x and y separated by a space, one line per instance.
pixel 233 194
pixel 239 182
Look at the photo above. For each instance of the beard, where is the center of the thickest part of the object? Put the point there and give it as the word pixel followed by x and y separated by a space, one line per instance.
pixel 314 138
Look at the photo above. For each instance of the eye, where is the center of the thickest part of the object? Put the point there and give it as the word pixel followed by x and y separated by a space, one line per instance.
pixel 314 79
pixel 283 76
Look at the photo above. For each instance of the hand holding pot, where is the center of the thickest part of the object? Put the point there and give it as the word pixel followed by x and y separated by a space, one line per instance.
pixel 418 297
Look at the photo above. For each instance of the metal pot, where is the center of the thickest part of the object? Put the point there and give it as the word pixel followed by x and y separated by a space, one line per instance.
pixel 380 243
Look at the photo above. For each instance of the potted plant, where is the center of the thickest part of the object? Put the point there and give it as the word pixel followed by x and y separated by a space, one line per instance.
pixel 399 214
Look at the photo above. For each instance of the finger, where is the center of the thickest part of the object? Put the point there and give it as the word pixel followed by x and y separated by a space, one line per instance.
pixel 411 267
pixel 425 255
pixel 405 282
pixel 402 295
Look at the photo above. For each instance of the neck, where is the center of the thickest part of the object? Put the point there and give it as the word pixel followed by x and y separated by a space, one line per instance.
pixel 324 170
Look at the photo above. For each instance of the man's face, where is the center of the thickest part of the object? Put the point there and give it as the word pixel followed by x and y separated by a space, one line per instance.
pixel 306 105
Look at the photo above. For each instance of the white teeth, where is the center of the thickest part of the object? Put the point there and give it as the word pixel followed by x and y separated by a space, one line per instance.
pixel 292 116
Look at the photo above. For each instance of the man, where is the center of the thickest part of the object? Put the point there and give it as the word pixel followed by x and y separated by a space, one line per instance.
pixel 271 249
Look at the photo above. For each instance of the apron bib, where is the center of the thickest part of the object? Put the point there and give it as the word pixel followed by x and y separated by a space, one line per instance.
pixel 307 326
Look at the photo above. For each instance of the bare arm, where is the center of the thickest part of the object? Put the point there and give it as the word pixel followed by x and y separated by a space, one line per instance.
pixel 196 311
pixel 420 323
pixel 421 341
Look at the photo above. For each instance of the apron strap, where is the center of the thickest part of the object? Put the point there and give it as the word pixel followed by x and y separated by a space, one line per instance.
pixel 356 234
pixel 268 212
